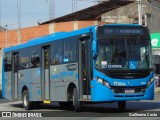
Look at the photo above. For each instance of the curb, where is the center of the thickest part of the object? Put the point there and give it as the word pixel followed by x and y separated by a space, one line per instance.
pixel 0 93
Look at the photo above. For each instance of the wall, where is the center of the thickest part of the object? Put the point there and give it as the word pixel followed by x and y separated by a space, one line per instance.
pixel 129 14
pixel 26 34
pixel 41 30
pixel 123 14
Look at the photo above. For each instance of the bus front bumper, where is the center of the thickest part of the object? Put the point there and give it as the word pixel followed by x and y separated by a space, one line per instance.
pixel 101 93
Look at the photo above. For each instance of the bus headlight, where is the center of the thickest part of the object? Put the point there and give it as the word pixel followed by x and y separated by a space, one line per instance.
pixel 106 84
pixel 150 82
pixel 103 82
pixel 100 80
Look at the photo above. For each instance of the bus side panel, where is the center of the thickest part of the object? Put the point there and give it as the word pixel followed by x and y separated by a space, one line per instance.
pixel 31 79
pixel 7 86
pixel 23 80
pixel 20 87
pixel 61 76
pixel 35 78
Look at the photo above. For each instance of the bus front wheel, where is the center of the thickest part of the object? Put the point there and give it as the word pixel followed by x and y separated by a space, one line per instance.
pixel 122 105
pixel 26 103
pixel 76 102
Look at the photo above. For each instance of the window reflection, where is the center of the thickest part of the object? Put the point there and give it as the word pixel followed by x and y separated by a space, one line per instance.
pixel 122 53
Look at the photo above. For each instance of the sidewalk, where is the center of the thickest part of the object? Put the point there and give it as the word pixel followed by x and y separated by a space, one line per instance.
pixel 157 89
pixel 0 90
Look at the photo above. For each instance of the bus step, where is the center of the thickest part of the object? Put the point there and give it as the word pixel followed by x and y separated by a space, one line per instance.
pixel 46 101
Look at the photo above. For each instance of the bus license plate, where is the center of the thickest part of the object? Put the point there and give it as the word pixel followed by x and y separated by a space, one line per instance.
pixel 130 91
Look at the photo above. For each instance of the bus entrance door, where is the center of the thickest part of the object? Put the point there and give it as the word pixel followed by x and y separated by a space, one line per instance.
pixel 14 75
pixel 85 69
pixel 45 73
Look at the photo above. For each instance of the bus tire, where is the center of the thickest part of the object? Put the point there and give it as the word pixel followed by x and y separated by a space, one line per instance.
pixel 27 105
pixel 76 102
pixel 122 105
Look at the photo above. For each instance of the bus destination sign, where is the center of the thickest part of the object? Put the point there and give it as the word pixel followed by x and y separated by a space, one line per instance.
pixel 123 31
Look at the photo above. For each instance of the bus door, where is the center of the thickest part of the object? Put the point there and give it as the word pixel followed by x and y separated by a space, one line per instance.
pixel 45 73
pixel 85 67
pixel 14 75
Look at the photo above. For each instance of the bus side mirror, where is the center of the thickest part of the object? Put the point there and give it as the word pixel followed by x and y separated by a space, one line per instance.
pixel 95 56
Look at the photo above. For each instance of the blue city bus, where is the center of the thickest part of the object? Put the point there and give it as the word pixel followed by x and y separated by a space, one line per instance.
pixel 97 64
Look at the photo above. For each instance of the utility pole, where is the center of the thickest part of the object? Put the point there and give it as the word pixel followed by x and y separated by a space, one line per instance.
pixel 139 12
pixel 6 35
pixel 19 22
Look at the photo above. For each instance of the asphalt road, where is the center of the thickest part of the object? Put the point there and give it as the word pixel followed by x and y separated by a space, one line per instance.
pixel 96 111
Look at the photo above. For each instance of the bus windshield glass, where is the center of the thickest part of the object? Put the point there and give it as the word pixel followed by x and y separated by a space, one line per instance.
pixel 126 53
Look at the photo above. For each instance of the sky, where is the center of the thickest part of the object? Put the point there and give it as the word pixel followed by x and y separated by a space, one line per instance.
pixel 33 11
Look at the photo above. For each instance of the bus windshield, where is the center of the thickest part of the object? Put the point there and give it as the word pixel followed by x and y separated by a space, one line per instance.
pixel 126 53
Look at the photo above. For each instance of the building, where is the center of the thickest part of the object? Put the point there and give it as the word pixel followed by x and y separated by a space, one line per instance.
pixel 129 14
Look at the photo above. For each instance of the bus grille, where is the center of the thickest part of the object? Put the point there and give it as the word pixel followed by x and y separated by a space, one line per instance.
pixel 123 89
pixel 126 74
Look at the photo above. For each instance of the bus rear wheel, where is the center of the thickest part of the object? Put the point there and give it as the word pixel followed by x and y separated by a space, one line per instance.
pixel 122 105
pixel 27 105
pixel 76 102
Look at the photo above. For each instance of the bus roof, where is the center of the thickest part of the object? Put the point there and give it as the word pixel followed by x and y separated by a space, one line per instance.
pixel 48 38
pixel 57 36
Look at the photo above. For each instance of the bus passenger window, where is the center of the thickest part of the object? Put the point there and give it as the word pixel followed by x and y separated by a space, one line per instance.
pixel 57 52
pixel 46 55
pixel 69 50
pixel 58 56
pixel 24 59
pixel 7 62
pixel 35 59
